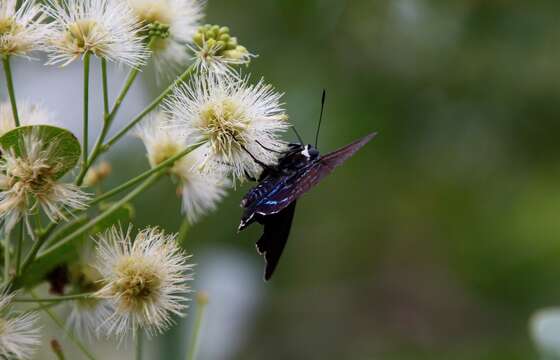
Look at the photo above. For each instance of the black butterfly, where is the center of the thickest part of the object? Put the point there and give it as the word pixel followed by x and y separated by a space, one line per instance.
pixel 273 201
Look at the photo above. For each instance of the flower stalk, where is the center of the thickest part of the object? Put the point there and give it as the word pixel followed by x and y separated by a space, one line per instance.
pixel 6 257
pixel 201 302
pixel 10 86
pixel 85 134
pixel 54 299
pixel 19 247
pixel 179 80
pixel 67 332
pixel 104 215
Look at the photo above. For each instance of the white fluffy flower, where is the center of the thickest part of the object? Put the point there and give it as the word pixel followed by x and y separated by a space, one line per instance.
pixel 216 51
pixel 19 333
pixel 29 114
pixel 177 20
pixel 106 28
pixel 87 315
pixel 201 192
pixel 239 123
pixel 27 181
pixel 21 30
pixel 145 280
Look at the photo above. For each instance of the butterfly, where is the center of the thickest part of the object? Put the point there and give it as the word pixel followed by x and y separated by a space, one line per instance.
pixel 272 202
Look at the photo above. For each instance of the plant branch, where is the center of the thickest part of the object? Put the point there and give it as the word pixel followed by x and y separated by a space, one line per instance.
pixel 19 246
pixel 201 302
pixel 10 86
pixel 68 333
pixel 85 117
pixel 6 256
pixel 183 231
pixel 89 225
pixel 165 164
pixel 104 129
pixel 182 78
pixel 105 89
pixel 55 299
pixel 37 246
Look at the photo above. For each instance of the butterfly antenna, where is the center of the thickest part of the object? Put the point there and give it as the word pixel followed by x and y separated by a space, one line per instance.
pixel 297 135
pixel 320 116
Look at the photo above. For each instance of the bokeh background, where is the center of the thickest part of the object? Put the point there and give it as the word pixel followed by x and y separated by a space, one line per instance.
pixel 438 240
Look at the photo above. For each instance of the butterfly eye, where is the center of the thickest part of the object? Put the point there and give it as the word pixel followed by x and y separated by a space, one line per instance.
pixel 313 152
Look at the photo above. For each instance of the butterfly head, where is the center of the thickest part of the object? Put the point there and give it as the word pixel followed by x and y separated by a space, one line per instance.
pixel 310 152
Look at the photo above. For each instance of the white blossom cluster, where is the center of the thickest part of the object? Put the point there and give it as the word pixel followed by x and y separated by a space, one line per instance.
pixel 209 130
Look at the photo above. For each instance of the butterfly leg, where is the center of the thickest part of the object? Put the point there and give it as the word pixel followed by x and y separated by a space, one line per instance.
pixel 249 176
pixel 268 149
pixel 257 161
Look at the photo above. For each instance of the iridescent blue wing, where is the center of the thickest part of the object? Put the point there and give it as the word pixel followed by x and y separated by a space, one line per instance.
pixel 273 240
pixel 289 188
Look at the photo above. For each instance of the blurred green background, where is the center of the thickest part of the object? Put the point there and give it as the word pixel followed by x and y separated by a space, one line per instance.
pixel 441 237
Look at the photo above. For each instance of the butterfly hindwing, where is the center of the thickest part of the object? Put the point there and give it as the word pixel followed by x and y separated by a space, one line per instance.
pixel 273 240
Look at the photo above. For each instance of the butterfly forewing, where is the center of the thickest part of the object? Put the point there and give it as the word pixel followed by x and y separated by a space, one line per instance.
pixel 291 188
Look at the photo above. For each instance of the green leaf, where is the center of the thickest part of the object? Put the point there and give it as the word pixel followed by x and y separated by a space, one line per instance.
pixel 63 148
pixel 69 253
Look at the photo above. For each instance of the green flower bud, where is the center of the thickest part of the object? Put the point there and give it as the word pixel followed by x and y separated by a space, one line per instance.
pixel 198 39
pixel 217 41
pixel 158 30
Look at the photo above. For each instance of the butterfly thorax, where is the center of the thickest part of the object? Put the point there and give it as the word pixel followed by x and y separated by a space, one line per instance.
pixel 289 164
pixel 296 157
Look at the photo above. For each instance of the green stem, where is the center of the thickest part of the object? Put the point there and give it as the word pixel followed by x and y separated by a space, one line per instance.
pixel 105 88
pixel 64 229
pixel 126 87
pixel 10 86
pixel 86 227
pixel 6 257
pixel 124 91
pixel 68 333
pixel 40 308
pixel 89 225
pixel 55 299
pixel 104 129
pixel 182 78
pixel 86 115
pixel 108 116
pixel 193 343
pixel 139 344
pixel 19 246
pixel 183 231
pixel 167 163
pixel 37 245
